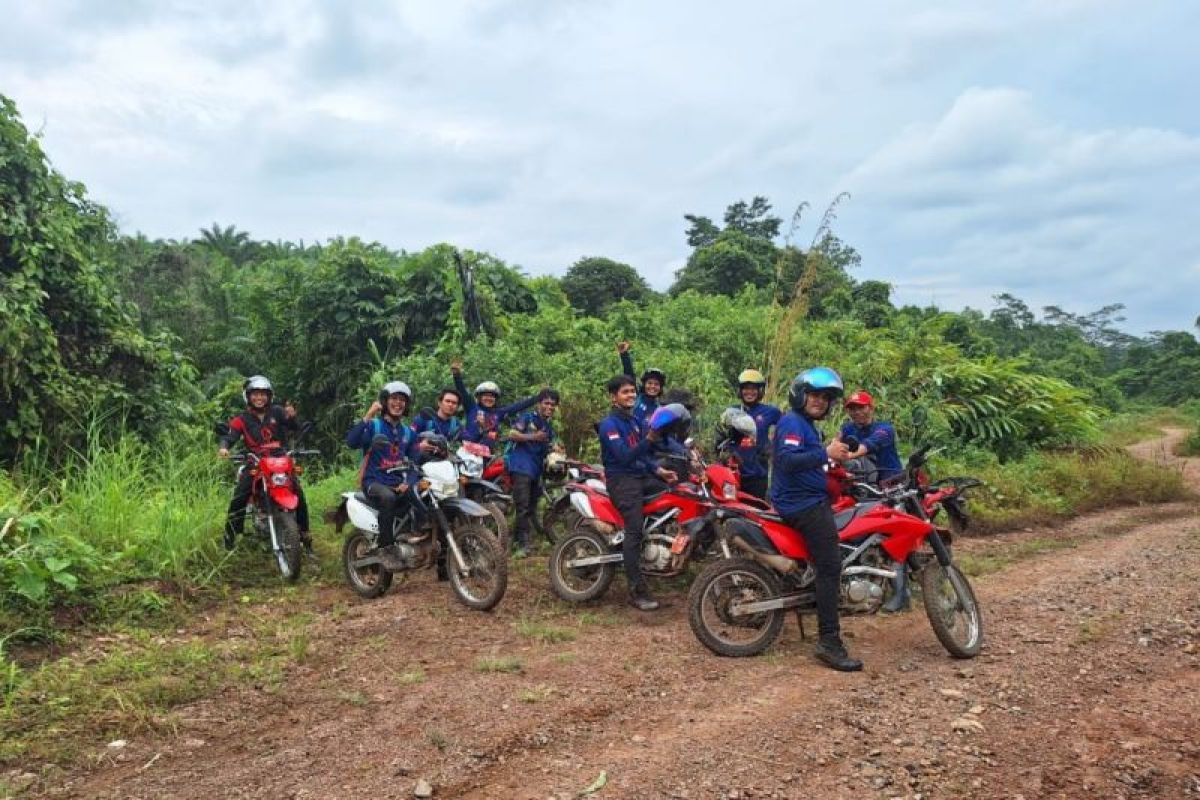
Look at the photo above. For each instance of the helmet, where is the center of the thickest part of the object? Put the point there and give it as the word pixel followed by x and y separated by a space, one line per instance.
pixel 814 379
pixel 736 424
pixel 671 420
pixel 487 387
pixel 859 398
pixel 435 439
pixel 752 377
pixel 395 387
pixel 256 383
pixel 655 373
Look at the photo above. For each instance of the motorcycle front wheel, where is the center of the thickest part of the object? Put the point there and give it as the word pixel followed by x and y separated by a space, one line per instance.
pixel 483 578
pixel 560 519
pixel 287 547
pixel 952 609
pixel 497 523
pixel 718 588
pixel 367 580
pixel 580 584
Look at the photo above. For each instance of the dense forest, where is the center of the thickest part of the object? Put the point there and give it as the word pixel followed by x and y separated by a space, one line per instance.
pixel 107 334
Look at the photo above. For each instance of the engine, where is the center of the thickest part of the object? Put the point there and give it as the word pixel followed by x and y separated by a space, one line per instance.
pixel 863 594
pixel 656 549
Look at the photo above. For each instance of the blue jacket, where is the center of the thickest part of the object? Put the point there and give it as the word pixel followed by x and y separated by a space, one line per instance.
pixel 624 448
pixel 754 459
pixel 527 458
pixel 798 476
pixel 483 424
pixel 450 428
pixel 402 444
pixel 645 405
pixel 880 440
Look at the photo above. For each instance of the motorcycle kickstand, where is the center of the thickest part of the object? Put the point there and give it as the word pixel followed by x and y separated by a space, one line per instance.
pixel 800 622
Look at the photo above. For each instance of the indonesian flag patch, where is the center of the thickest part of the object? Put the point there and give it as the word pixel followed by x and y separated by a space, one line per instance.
pixel 792 439
pixel 613 435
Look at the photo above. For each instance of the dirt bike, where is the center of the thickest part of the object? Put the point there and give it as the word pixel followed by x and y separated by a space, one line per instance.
pixel 677 529
pixel 560 516
pixel 470 459
pixel 273 500
pixel 464 550
pixel 736 606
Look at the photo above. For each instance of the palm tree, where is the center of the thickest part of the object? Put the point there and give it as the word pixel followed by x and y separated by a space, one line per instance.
pixel 229 242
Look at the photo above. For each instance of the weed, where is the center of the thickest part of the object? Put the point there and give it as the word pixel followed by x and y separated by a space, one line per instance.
pixel 565 658
pixel 298 647
pixel 355 698
pixel 544 632
pixel 437 739
pixel 536 694
pixel 498 664
pixel 583 618
pixel 412 676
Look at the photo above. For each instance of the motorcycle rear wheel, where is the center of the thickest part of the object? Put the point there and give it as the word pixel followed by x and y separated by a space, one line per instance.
pixel 368 581
pixel 952 609
pixel 711 597
pixel 485 580
pixel 497 523
pixel 560 519
pixel 580 584
pixel 289 556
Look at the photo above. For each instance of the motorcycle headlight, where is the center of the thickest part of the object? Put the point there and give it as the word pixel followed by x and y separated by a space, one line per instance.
pixel 729 491
pixel 574 473
pixel 279 479
pixel 473 470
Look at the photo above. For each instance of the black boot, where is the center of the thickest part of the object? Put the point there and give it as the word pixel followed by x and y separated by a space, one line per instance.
pixel 832 653
pixel 390 558
pixel 641 599
pixel 230 538
pixel 899 600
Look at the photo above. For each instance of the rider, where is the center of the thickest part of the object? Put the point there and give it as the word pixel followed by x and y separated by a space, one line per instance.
pixel 531 439
pixel 878 441
pixel 444 420
pixel 654 380
pixel 629 475
pixel 483 415
pixel 261 426
pixel 799 494
pixel 754 454
pixel 386 443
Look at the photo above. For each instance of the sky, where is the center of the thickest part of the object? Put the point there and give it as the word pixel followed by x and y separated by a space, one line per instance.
pixel 1047 150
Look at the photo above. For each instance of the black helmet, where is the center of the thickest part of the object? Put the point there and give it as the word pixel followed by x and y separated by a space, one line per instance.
pixel 657 374
pixel 437 440
pixel 815 379
pixel 256 383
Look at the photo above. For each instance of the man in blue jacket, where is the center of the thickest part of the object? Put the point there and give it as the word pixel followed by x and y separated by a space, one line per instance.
pixel 531 439
pixel 654 380
pixel 629 474
pixel 386 443
pixel 799 494
pixel 753 455
pixel 444 419
pixel 484 416
pixel 877 440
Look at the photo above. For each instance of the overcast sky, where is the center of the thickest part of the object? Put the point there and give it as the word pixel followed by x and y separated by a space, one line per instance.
pixel 1048 149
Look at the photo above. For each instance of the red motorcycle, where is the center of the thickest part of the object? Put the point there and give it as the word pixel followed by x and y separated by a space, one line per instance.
pixel 677 528
pixel 736 606
pixel 273 500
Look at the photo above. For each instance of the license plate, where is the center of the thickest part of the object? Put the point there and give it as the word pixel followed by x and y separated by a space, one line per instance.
pixel 680 543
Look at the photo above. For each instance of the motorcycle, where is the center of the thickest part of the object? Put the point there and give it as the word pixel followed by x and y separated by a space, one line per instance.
pixel 736 606
pixel 560 474
pixel 470 458
pixel 677 529
pixel 273 500
pixel 460 544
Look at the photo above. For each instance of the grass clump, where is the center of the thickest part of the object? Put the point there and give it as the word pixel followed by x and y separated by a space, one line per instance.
pixel 536 694
pixel 508 664
pixel 411 677
pixel 544 632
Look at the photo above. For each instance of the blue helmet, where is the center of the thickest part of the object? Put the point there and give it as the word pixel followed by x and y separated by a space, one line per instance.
pixel 814 379
pixel 672 419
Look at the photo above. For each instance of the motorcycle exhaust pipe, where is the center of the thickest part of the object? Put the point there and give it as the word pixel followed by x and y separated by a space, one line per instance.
pixel 770 560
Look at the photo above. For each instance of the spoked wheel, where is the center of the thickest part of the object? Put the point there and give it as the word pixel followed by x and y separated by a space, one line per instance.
pixel 287 534
pixel 714 595
pixel 560 519
pixel 579 584
pixel 366 576
pixel 952 609
pixel 482 583
pixel 497 523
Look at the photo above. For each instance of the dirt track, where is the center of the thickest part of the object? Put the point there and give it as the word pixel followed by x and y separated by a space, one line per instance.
pixel 1087 687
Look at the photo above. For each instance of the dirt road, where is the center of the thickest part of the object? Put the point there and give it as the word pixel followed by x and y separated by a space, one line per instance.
pixel 1087 687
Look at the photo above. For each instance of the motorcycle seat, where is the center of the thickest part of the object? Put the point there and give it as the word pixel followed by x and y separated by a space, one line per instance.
pixel 844 518
pixel 362 498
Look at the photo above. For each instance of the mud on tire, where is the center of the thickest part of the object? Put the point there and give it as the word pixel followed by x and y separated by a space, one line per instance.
pixel 368 581
pixel 714 592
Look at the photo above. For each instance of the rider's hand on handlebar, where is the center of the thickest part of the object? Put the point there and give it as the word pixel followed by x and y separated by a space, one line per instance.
pixel 402 488
pixel 667 475
pixel 837 451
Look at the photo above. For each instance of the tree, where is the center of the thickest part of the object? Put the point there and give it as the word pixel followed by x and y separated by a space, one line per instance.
pixel 229 242
pixel 732 262
pixel 592 284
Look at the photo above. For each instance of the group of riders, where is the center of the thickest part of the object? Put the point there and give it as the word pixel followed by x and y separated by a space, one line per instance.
pixel 785 464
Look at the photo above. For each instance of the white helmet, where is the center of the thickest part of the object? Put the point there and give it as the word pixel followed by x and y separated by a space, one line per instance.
pixel 395 387
pixel 256 383
pixel 487 387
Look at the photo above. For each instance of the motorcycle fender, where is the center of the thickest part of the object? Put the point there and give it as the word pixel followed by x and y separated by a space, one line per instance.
pixel 488 486
pixel 751 534
pixel 361 515
pixel 464 506
pixel 284 497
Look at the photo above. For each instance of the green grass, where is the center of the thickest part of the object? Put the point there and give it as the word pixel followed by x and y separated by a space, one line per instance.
pixel 506 664
pixel 411 677
pixel 544 632
pixel 536 694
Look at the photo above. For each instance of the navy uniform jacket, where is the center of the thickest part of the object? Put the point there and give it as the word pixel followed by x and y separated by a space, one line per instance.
pixel 798 468
pixel 526 458
pixel 880 440
pixel 624 448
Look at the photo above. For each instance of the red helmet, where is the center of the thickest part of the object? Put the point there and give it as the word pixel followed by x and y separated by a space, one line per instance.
pixel 859 398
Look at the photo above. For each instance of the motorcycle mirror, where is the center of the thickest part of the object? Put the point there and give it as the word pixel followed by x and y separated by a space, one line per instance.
pixel 221 429
pixel 851 442
pixel 918 457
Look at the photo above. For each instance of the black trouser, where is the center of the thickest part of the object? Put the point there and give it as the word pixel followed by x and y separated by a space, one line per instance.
pixel 627 493
pixel 755 485
pixel 236 518
pixel 525 491
pixel 820 533
pixel 390 504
